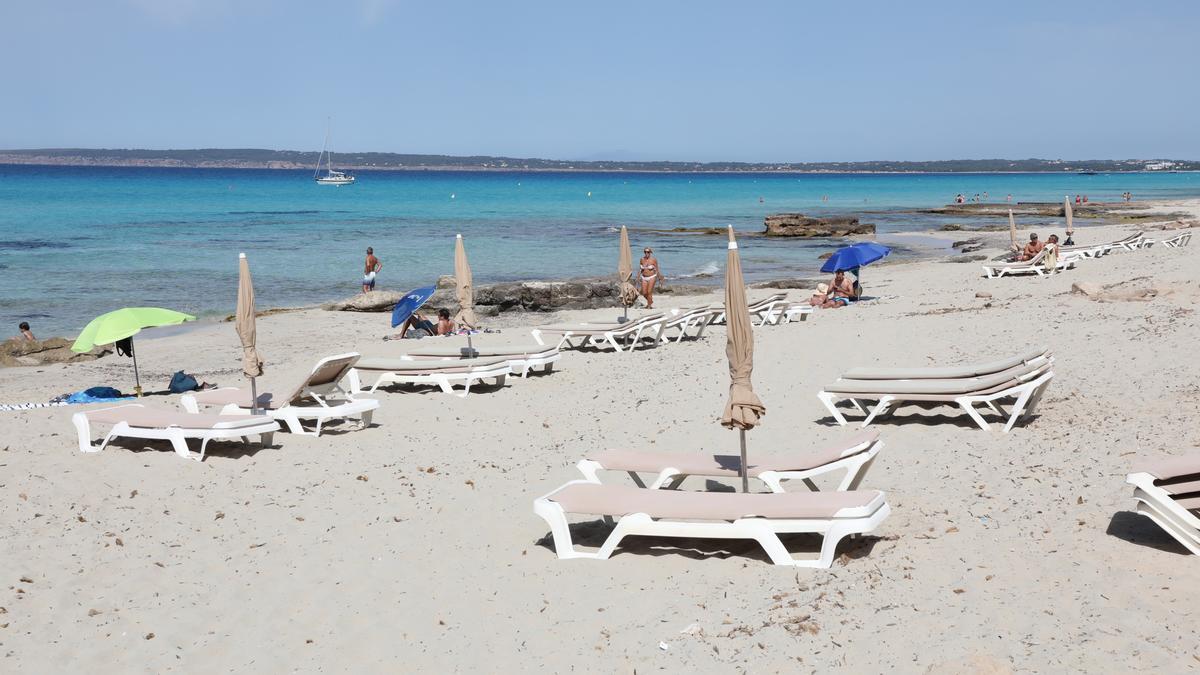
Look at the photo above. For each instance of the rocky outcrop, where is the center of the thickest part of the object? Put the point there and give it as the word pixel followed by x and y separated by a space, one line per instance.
pixel 38 352
pixel 527 296
pixel 373 301
pixel 800 225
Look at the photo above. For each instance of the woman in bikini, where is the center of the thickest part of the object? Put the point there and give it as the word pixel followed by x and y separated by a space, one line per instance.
pixel 650 276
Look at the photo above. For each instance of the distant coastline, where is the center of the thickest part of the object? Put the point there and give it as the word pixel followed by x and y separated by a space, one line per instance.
pixel 381 161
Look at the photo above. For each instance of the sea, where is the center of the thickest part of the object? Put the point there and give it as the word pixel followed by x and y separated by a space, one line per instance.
pixel 76 242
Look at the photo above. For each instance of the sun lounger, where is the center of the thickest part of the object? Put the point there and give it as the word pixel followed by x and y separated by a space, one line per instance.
pixel 714 515
pixel 521 358
pixel 686 319
pixel 853 455
pixel 759 308
pixel 134 420
pixel 1035 265
pixel 1178 241
pixel 1168 492
pixel 786 313
pixel 446 374
pixel 1077 253
pixel 1023 383
pixel 1130 243
pixel 632 333
pixel 1033 358
pixel 319 397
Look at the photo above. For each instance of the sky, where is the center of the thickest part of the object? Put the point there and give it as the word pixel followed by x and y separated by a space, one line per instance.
pixel 758 81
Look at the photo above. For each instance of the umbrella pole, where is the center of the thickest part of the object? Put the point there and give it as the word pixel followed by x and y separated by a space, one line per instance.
pixel 253 396
pixel 470 346
pixel 137 381
pixel 745 479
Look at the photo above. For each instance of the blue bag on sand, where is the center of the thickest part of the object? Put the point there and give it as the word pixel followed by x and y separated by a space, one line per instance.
pixel 181 382
pixel 96 395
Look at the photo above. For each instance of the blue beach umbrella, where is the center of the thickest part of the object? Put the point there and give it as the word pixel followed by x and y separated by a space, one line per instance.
pixel 853 257
pixel 410 303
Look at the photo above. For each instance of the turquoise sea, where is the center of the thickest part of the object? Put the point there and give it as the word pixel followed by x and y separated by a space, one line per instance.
pixel 76 242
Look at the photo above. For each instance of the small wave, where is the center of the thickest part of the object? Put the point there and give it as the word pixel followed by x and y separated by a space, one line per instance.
pixel 29 244
pixel 612 229
pixel 270 213
pixel 708 269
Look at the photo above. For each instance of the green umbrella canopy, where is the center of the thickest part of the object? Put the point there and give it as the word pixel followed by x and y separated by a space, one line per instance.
pixel 122 323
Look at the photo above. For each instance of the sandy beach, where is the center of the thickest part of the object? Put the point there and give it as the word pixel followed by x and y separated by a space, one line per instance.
pixel 411 546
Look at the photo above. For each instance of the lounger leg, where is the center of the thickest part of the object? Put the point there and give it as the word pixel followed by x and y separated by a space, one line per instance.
pixel 966 405
pixel 624 526
pixel 827 399
pixel 266 440
pixel 775 549
pixel 772 481
pixel 857 406
pixel 189 403
pixel 537 337
pixel 500 380
pixel 855 474
pixel 366 418
pixel 879 409
pixel 833 537
pixel 294 425
pixel 180 444
pixel 559 530
pixel 83 428
pixel 668 478
pixel 1018 408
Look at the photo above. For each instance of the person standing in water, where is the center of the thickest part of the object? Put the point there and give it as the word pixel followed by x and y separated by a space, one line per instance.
pixel 371 268
pixel 650 276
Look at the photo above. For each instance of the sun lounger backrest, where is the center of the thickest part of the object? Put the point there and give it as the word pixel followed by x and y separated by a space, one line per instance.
pixel 325 375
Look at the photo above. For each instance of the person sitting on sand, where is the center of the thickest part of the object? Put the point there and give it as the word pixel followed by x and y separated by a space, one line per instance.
pixel 819 296
pixel 841 292
pixel 1031 249
pixel 444 325
pixel 25 333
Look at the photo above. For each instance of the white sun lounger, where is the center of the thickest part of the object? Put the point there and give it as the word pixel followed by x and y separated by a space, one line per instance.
pixel 320 397
pixel 1178 241
pixel 446 374
pixel 714 515
pixel 632 333
pixel 1167 491
pixel 853 455
pixel 759 308
pixel 1035 265
pixel 786 313
pixel 1131 243
pixel 686 319
pixel 1024 383
pixel 134 420
pixel 522 359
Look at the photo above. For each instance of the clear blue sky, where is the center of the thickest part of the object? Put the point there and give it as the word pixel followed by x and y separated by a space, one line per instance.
pixel 753 81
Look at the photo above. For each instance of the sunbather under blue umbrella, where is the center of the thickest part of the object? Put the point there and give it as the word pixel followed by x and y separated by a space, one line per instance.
pixel 410 303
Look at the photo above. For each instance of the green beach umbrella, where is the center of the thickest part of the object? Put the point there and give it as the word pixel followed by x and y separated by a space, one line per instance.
pixel 126 322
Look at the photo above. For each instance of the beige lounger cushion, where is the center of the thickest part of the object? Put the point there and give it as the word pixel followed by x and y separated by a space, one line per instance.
pixel 393 365
pixel 699 464
pixel 485 352
pixel 936 388
pixel 159 418
pixel 623 500
pixel 945 372
pixel 1166 468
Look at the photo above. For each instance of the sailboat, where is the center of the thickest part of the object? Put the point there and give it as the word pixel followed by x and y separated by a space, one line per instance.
pixel 331 177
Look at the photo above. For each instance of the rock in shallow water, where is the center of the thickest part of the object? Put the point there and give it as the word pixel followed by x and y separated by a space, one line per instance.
pixel 800 225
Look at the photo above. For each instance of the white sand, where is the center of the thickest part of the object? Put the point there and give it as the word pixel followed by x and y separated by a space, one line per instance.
pixel 348 553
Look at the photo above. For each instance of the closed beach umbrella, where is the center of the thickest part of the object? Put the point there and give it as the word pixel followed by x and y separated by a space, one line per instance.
pixel 465 290
pixel 463 286
pixel 625 273
pixel 125 323
pixel 743 409
pixel 244 323
pixel 1070 215
pixel 1012 231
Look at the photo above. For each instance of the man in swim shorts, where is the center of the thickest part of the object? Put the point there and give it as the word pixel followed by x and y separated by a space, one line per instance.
pixel 370 270
pixel 841 292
